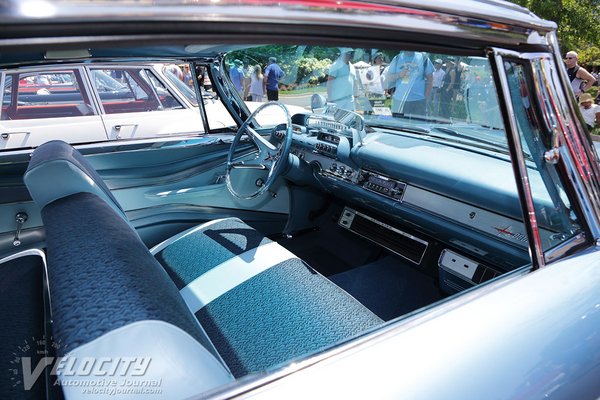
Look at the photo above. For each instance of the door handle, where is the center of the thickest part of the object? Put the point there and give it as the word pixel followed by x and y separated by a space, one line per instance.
pixel 118 128
pixel 6 135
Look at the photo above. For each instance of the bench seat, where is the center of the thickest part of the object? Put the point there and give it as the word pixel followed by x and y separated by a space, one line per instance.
pixel 259 304
pixel 221 299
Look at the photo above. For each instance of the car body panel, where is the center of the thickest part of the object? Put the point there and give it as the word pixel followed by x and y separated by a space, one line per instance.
pixel 21 134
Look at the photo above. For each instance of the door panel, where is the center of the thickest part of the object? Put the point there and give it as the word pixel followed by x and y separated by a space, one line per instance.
pixel 32 133
pixel 137 104
pixel 132 125
pixel 164 187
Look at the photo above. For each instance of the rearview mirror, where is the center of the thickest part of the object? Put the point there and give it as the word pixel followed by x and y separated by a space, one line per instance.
pixel 317 103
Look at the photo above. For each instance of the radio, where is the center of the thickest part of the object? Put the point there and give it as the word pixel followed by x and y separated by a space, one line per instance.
pixel 383 185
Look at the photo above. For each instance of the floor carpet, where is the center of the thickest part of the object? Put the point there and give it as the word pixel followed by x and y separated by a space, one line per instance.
pixel 389 287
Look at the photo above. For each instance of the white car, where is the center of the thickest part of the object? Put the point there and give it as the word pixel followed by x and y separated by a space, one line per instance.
pixel 91 103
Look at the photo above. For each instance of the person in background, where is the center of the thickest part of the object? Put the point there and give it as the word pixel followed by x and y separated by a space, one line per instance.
pixel 376 78
pixel 273 74
pixel 411 74
pixel 589 110
pixel 448 88
pixel 236 74
pixel 175 70
pixel 595 74
pixel 256 84
pixel 581 79
pixel 187 76
pixel 247 81
pixel 341 82
pixel 436 89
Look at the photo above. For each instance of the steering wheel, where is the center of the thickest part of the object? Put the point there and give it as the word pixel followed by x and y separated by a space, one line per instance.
pixel 270 157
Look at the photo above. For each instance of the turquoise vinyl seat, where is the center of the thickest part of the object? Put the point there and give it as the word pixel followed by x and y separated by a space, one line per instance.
pixel 241 302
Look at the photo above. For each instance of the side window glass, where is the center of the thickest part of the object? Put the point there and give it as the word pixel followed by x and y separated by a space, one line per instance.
pixel 216 112
pixel 184 88
pixel 51 94
pixel 125 91
pixel 556 217
pixel 167 100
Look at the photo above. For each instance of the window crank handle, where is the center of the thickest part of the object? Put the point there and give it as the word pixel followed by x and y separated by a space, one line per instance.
pixel 21 217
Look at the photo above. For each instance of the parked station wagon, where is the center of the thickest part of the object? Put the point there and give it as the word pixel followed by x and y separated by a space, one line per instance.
pixel 106 101
pixel 416 216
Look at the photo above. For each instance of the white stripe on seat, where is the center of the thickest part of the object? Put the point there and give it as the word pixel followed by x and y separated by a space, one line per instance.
pixel 231 273
pixel 165 243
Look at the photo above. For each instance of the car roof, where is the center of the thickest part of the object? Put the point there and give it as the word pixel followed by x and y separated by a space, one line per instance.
pixel 23 11
pixel 205 28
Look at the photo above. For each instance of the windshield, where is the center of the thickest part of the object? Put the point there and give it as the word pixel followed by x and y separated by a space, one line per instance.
pixel 399 90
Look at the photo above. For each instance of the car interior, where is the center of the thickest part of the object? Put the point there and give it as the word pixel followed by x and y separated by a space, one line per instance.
pixel 250 247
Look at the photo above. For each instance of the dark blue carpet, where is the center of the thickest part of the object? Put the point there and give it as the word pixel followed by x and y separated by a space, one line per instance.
pixel 390 287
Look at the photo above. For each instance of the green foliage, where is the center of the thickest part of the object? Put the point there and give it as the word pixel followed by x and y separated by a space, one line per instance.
pixel 590 55
pixel 313 71
pixel 303 65
pixel 577 20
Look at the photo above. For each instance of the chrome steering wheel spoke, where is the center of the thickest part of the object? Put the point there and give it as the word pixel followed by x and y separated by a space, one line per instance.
pixel 270 157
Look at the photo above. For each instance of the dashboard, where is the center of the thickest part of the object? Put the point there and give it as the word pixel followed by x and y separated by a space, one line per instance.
pixel 395 188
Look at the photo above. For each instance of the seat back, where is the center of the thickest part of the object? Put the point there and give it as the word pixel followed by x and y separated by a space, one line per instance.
pixel 110 298
pixel 56 170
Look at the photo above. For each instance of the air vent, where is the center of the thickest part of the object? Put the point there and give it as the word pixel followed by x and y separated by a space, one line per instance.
pixel 391 238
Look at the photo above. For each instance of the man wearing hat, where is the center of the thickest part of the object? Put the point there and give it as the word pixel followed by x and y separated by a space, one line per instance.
pixel 236 74
pixel 589 110
pixel 438 82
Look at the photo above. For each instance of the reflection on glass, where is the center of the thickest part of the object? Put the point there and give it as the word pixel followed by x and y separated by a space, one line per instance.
pixel 553 208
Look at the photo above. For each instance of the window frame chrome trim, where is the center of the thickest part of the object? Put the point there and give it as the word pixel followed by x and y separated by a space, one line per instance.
pixel 567 159
pixel 496 57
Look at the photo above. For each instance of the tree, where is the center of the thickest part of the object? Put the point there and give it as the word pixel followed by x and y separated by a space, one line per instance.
pixel 577 21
